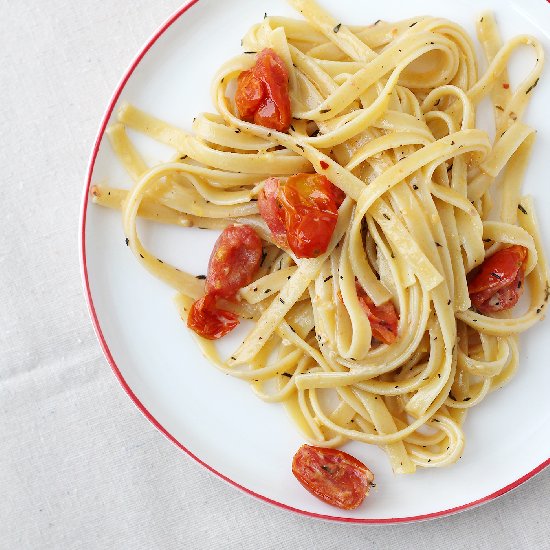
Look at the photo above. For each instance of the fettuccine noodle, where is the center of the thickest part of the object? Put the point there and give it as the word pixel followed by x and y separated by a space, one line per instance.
pixel 388 113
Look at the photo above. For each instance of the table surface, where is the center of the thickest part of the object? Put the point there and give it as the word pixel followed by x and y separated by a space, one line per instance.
pixel 80 467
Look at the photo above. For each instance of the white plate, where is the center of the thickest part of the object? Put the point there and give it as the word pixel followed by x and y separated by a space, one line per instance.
pixel 216 418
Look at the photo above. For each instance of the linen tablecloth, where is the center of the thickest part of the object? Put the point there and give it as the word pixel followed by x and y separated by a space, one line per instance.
pixel 79 465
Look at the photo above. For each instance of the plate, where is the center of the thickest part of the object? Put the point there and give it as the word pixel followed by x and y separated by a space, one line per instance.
pixel 217 419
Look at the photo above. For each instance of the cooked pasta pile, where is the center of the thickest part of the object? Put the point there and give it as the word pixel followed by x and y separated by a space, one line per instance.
pixel 387 112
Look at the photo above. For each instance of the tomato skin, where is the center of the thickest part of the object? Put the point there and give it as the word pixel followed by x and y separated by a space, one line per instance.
pixel 383 319
pixel 333 476
pixel 498 284
pixel 262 93
pixel 301 213
pixel 234 261
pixel 271 211
pixel 249 94
pixel 311 213
pixel 208 321
pixel 338 196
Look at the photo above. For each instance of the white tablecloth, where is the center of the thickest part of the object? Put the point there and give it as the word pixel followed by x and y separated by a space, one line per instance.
pixel 79 466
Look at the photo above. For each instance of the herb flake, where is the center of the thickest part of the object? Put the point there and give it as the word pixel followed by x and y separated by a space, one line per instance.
pixel 532 86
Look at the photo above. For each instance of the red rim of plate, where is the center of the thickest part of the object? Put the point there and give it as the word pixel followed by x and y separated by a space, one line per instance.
pixel 133 396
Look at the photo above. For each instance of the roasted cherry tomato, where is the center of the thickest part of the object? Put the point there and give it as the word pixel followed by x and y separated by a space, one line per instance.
pixel 234 261
pixel 249 95
pixel 338 195
pixel 272 212
pixel 308 203
pixel 383 319
pixel 498 284
pixel 208 321
pixel 262 93
pixel 332 476
pixel 301 212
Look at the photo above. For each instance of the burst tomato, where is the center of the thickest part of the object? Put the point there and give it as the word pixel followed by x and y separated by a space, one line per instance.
pixel 234 261
pixel 208 321
pixel 311 213
pixel 272 212
pixel 262 92
pixel 250 93
pixel 333 476
pixel 498 284
pixel 301 212
pixel 338 196
pixel 383 319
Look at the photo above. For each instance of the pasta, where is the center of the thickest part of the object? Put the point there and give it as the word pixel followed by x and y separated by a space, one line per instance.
pixel 387 112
